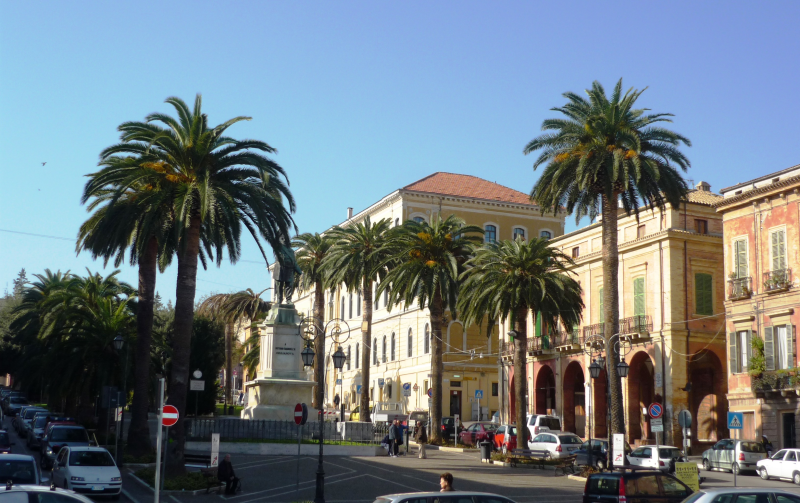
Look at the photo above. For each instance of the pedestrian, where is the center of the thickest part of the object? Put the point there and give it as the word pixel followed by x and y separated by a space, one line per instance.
pixel 421 438
pixel 767 445
pixel 446 482
pixel 394 432
pixel 225 474
pixel 241 398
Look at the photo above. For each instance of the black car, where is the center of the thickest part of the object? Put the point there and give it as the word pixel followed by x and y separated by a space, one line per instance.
pixel 5 442
pixel 599 455
pixel 449 428
pixel 634 486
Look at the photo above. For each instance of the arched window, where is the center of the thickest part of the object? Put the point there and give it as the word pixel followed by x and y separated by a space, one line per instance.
pixel 490 233
pixel 383 354
pixel 357 348
pixel 348 358
pixel 546 234
pixel 410 343
pixel 427 340
pixel 375 351
pixel 376 297
pixel 341 310
pixel 330 307
pixel 350 307
pixel 519 232
pixel 419 220
pixel 358 304
pixel 386 298
pixel 396 222
pixel 393 346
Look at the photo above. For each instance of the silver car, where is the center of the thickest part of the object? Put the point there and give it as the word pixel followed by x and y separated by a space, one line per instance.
pixel 734 455
pixel 742 495
pixel 446 497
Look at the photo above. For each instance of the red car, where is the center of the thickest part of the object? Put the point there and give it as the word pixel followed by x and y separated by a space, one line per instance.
pixel 477 432
pixel 505 438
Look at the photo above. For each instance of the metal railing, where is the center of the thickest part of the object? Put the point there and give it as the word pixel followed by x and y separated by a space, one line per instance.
pixel 771 381
pixel 640 324
pixel 740 288
pixel 269 429
pixel 777 280
pixel 590 330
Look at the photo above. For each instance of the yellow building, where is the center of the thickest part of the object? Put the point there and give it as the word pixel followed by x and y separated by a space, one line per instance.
pixel 401 337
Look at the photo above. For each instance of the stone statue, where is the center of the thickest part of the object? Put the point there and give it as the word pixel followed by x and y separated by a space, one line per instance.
pixel 284 273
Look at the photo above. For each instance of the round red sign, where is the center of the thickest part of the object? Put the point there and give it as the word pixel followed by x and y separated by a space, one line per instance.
pixel 169 416
pixel 298 414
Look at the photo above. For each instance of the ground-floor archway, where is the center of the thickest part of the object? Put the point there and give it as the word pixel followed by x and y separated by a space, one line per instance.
pixel 600 406
pixel 641 393
pixel 574 399
pixel 545 393
pixel 707 396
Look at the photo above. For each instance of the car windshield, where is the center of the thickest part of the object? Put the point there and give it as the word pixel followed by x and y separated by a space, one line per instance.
pixel 4 440
pixel 551 422
pixel 752 447
pixel 570 439
pixel 90 458
pixel 447 421
pixel 32 412
pixel 18 471
pixel 665 453
pixel 40 422
pixel 18 399
pixel 490 426
pixel 69 435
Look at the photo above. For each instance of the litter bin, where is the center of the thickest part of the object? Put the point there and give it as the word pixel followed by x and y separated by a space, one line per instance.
pixel 486 450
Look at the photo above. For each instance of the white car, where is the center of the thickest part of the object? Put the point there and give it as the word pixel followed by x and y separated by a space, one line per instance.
pixel 662 457
pixel 742 494
pixel 25 494
pixel 88 470
pixel 559 445
pixel 784 464
pixel 540 423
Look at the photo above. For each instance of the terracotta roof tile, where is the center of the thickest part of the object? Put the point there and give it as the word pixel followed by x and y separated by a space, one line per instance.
pixel 703 197
pixel 451 184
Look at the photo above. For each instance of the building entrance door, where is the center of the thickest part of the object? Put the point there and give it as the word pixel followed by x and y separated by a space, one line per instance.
pixel 789 438
pixel 455 403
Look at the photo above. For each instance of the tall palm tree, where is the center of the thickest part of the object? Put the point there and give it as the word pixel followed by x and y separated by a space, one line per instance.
pixel 603 153
pixel 508 280
pixel 427 261
pixel 311 252
pixel 216 186
pixel 358 258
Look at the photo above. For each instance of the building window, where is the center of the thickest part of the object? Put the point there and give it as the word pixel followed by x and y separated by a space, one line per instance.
pixel 330 307
pixel 375 351
pixel 410 343
pixel 778 250
pixel 393 346
pixel 576 252
pixel 348 358
pixel 425 386
pixel 740 351
pixel 341 310
pixel 703 291
pixel 455 384
pixel 519 233
pixel 350 306
pixel 383 354
pixel 779 343
pixel 357 348
pixel 386 298
pixel 601 315
pixel 494 389
pixel 640 231
pixel 740 258
pixel 546 234
pixel 427 342
pixel 639 304
pixel 489 234
pixel 388 391
pixel 419 220
pixel 358 304
pixel 701 226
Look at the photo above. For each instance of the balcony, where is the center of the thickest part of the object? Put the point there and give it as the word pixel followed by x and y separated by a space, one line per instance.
pixel 538 346
pixel 770 382
pixel 636 329
pixel 590 330
pixel 778 280
pixel 568 342
pixel 740 288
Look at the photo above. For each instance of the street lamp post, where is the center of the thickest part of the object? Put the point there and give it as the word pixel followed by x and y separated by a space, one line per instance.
pixel 308 354
pixel 119 344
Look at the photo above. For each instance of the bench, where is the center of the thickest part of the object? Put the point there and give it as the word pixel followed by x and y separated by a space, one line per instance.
pixel 516 454
pixel 197 459
pixel 564 463
pixel 212 481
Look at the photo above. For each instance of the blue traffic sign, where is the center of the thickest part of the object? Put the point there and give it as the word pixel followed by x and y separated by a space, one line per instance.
pixel 430 392
pixel 358 389
pixel 655 410
pixel 407 386
pixel 478 394
pixel 339 381
pixel 735 420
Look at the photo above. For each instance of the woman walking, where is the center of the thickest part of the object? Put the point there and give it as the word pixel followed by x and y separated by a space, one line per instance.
pixel 421 438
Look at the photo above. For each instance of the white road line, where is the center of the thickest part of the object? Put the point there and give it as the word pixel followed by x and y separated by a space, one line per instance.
pixel 174 498
pixel 326 483
pixel 349 471
pixel 392 482
pixel 128 495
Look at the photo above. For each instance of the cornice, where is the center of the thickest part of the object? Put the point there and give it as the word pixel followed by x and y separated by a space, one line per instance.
pixel 745 196
pixel 476 200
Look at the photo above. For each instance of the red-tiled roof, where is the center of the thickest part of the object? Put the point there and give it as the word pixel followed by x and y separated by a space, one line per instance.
pixel 451 184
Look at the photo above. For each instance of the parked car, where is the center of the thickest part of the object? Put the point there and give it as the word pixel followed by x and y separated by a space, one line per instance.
pixel 419 416
pixel 448 497
pixel 635 486
pixel 43 494
pixel 538 423
pixel 742 495
pixel 505 438
pixel 36 431
pixel 734 455
pixel 15 403
pixel 784 464
pixel 599 455
pixel 59 436
pixel 25 418
pixel 6 401
pixel 477 432
pixel 20 469
pixel 5 442
pixel 449 428
pixel 89 470
pixel 559 445
pixel 28 425
pixel 661 457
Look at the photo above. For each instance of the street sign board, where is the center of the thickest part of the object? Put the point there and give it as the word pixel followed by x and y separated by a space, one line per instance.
pixel 735 420
pixel 430 392
pixel 619 449
pixel 119 414
pixel 655 410
pixel 478 394
pixel 685 419
pixel 197 385
pixel 169 416
pixel 416 387
pixel 358 389
pixel 407 389
pixel 214 450
pixel 430 402
pixel 339 381
pixel 687 473
pixel 657 425
pixel 300 414
pixel 381 382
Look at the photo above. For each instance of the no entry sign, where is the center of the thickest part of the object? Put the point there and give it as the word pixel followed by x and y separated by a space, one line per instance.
pixel 169 416
pixel 300 414
pixel 655 410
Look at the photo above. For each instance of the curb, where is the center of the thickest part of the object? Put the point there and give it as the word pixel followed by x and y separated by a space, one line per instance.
pixel 577 477
pixel 456 449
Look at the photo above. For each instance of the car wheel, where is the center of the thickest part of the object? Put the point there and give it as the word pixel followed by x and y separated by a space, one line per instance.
pixel 796 478
pixel 763 473
pixel 601 465
pixel 735 469
pixel 706 465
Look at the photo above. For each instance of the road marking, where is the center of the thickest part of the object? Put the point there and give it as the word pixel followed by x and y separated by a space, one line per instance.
pixel 174 498
pixel 128 495
pixel 292 491
pixel 391 482
pixel 349 471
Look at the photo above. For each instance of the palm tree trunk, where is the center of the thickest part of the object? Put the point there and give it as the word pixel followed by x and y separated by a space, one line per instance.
pixel 437 367
pixel 182 342
pixel 139 432
pixel 521 375
pixel 611 309
pixel 228 363
pixel 366 343
pixel 319 342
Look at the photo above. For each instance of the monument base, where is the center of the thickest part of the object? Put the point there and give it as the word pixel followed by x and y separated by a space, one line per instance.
pixel 270 398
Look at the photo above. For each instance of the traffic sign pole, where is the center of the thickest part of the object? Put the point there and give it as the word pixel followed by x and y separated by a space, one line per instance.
pixel 158 440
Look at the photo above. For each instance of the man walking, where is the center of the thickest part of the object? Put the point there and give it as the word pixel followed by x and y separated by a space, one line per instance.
pixel 421 438
pixel 394 432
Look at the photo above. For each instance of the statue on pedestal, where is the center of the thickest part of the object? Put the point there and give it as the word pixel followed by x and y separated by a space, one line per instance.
pixel 284 273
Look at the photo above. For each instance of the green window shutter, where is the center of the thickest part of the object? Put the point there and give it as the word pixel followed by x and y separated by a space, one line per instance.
pixel 538 327
pixel 638 297
pixel 791 335
pixel 702 294
pixel 740 251
pixel 769 349
pixel 746 365
pixel 734 353
pixel 778 250
pixel 602 315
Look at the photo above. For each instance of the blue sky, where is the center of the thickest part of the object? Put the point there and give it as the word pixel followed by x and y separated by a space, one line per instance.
pixel 361 98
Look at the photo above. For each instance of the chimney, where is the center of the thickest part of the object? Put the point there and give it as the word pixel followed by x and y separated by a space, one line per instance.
pixel 703 186
pixel 349 213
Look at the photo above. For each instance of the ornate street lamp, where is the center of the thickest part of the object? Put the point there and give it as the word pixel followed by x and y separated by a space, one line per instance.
pixel 338 358
pixel 623 368
pixel 308 356
pixel 594 369
pixel 119 342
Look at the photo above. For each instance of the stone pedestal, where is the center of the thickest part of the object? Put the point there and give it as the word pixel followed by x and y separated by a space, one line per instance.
pixel 281 382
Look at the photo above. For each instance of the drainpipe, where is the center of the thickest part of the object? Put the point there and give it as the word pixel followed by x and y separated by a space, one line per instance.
pixel 661 330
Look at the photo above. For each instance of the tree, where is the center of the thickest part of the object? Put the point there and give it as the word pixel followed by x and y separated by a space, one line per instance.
pixel 426 263
pixel 19 282
pixel 216 185
pixel 510 279
pixel 311 252
pixel 358 258
pixel 606 152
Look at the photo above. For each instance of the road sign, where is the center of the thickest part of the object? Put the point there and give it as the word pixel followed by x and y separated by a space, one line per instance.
pixel 407 389
pixel 169 416
pixel 339 381
pixel 358 389
pixel 119 414
pixel 416 387
pixel 655 410
pixel 735 420
pixel 381 382
pixel 619 449
pixel 430 392
pixel 214 450
pixel 300 414
pixel 685 419
pixel 197 385
pixel 478 394
pixel 656 425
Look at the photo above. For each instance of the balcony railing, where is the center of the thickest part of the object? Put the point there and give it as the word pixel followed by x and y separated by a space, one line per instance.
pixel 641 324
pixel 773 381
pixel 740 288
pixel 540 345
pixel 590 330
pixel 778 280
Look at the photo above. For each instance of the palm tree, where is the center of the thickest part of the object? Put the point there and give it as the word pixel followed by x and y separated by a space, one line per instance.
pixel 216 185
pixel 311 252
pixel 358 258
pixel 427 261
pixel 510 279
pixel 606 152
